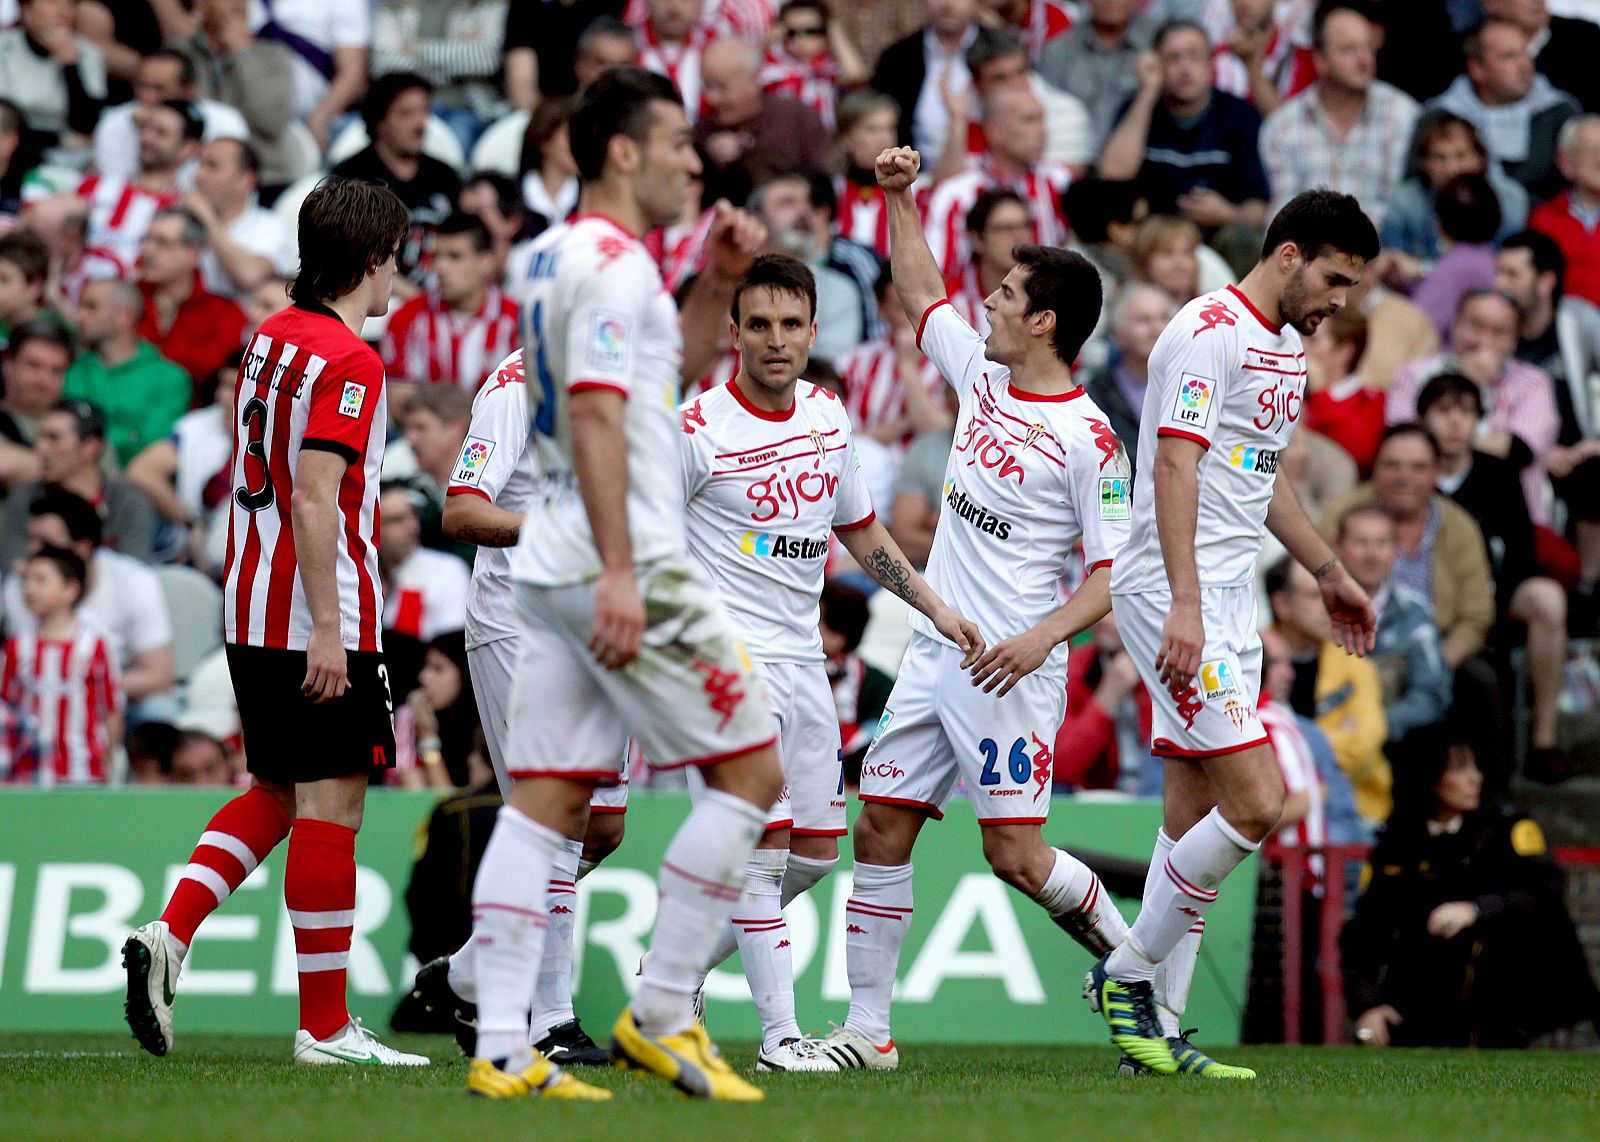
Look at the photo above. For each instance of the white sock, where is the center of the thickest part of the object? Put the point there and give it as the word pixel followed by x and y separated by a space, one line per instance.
pixel 1080 906
pixel 764 946
pixel 552 990
pixel 877 916
pixel 585 867
pixel 463 972
pixel 802 874
pixel 508 927
pixel 1192 873
pixel 1173 977
pixel 699 887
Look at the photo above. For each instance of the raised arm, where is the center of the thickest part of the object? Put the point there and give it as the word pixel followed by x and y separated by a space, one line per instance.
pixel 916 274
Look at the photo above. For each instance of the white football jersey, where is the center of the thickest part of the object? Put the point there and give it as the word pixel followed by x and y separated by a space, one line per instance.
pixel 595 315
pixel 1028 477
pixel 763 490
pixel 1222 376
pixel 497 463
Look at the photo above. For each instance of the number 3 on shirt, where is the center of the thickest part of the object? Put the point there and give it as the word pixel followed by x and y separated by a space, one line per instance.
pixel 253 497
pixel 1016 761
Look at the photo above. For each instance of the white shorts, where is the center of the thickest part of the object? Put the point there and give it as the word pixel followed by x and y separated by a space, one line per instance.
pixel 1215 714
pixel 493 666
pixel 938 727
pixel 691 697
pixel 808 743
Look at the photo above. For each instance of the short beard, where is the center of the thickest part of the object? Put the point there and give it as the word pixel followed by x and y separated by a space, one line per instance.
pixel 1293 305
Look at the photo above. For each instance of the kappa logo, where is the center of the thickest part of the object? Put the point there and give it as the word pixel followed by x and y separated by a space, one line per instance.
pixel 610 248
pixel 1190 912
pixel 693 418
pixel 1043 762
pixel 1105 440
pixel 721 689
pixel 560 910
pixel 780 944
pixel 351 399
pixel 1213 314
pixel 1186 700
pixel 857 929
pixel 1219 680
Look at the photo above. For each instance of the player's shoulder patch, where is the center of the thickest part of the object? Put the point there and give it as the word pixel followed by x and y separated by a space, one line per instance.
pixel 1192 404
pixel 609 333
pixel 1116 498
pixel 474 458
pixel 352 399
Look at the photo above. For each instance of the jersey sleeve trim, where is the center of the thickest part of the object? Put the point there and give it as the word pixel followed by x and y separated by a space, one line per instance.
pixel 609 386
pixel 1254 312
pixel 1181 434
pixel 926 313
pixel 457 490
pixel 858 525
pixel 1093 567
pixel 338 448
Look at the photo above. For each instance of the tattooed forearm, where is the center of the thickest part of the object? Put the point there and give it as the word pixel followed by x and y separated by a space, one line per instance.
pixel 891 573
pixel 486 536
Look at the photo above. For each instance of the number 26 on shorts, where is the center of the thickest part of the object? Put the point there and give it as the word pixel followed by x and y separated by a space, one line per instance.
pixel 1016 761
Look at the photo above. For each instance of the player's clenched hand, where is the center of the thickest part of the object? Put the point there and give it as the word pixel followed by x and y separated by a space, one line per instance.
pixel 962 631
pixel 1011 660
pixel 618 619
pixel 897 168
pixel 1355 623
pixel 1183 639
pixel 733 241
pixel 327 669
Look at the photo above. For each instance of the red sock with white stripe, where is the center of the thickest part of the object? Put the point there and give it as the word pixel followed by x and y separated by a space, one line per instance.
pixel 764 946
pixel 1186 888
pixel 552 991
pixel 701 877
pixel 509 921
pixel 877 916
pixel 1080 906
pixel 237 839
pixel 319 888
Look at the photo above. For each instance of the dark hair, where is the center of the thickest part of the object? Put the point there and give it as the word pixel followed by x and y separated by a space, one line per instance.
pixel 249 158
pixel 1360 510
pixel 382 93
pixel 194 230
pixel 10 118
pixel 72 568
pixel 1479 294
pixel 1172 27
pixel 984 205
pixel 194 124
pixel 548 118
pixel 187 76
pixel 1467 209
pixel 354 227
pixel 1545 252
pixel 41 329
pixel 1410 428
pixel 1348 326
pixel 1065 283
pixel 991 44
pixel 507 194
pixel 1275 580
pixel 471 225
pixel 28 252
pixel 844 608
pixel 1448 386
pixel 603 26
pixel 1437 124
pixel 1419 761
pixel 1093 205
pixel 618 102
pixel 458 722
pixel 781 274
pixel 1320 221
pixel 83 523
pixel 822 374
pixel 1472 43
pixel 451 404
pixel 1326 9
pixel 817 6
pixel 821 195
pixel 87 419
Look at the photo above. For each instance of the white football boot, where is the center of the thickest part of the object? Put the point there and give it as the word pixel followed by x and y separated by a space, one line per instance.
pixel 851 1050
pixel 353 1043
pixel 153 958
pixel 796 1055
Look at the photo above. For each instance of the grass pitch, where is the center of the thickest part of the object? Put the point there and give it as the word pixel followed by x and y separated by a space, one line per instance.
pixel 217 1087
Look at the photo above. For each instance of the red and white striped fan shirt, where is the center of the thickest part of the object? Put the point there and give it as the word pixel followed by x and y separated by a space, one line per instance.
pixel 94 264
pixel 428 342
pixel 748 19
pixel 1300 775
pixel 120 213
pixel 1288 65
pixel 1044 21
pixel 679 251
pixel 307 382
pixel 69 687
pixel 678 62
pixel 816 84
pixel 873 393
pixel 946 220
pixel 863 214
pixel 966 297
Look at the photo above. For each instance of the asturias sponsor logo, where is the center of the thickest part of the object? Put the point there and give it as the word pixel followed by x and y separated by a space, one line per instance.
pixel 766 545
pixel 975 513
pixel 1248 458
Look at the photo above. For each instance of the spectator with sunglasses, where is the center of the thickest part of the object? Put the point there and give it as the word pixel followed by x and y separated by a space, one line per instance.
pixel 812 59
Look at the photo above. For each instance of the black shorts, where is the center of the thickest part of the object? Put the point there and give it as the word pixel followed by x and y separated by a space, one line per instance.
pixel 288 738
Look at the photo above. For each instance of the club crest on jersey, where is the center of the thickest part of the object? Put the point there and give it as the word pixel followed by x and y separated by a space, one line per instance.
pixel 1116 498
pixel 474 457
pixel 1218 680
pixel 1193 405
pixel 608 346
pixel 819 442
pixel 1213 314
pixel 1236 713
pixel 1035 430
pixel 351 399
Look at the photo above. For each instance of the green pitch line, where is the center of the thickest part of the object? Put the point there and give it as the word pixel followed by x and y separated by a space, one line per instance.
pixel 217 1088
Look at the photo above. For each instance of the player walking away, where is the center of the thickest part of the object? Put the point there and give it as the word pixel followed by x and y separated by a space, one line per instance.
pixel 769 472
pixel 1034 469
pixel 620 629
pixel 302 622
pixel 1227 382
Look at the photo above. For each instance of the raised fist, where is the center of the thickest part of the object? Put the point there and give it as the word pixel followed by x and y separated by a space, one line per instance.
pixel 897 168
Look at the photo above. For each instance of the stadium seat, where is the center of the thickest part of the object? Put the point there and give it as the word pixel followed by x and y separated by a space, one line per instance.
pixel 195 604
pixel 438 142
pixel 301 155
pixel 499 149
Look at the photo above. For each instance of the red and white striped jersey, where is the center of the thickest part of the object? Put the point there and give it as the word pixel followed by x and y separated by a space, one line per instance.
pixel 426 341
pixel 1290 67
pixel 873 392
pixel 946 219
pixel 94 264
pixel 120 213
pixel 1043 22
pixel 748 19
pixel 678 62
pixel 679 251
pixel 1300 775
pixel 69 687
pixel 816 84
pixel 966 297
pixel 863 214
pixel 306 382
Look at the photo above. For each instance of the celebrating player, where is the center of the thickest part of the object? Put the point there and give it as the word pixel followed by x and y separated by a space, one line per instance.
pixel 1033 470
pixel 302 617
pixel 1227 382
pixel 769 472
pixel 620 629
